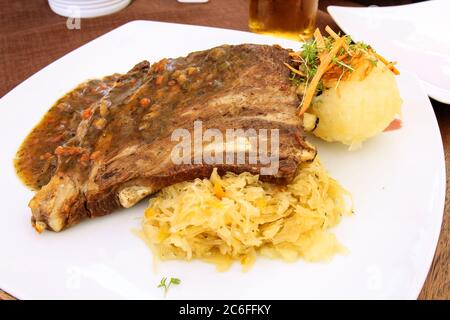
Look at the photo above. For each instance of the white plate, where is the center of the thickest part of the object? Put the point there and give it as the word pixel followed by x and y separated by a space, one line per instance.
pixel 397 180
pixel 415 35
pixel 87 8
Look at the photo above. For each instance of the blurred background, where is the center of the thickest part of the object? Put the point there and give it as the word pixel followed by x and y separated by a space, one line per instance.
pixel 32 35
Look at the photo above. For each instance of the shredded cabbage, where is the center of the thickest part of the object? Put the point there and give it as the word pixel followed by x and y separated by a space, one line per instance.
pixel 235 217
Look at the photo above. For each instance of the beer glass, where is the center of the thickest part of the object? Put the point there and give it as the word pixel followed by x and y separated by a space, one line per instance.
pixel 292 19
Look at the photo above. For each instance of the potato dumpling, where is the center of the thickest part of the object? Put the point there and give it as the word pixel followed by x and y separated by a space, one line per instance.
pixel 358 106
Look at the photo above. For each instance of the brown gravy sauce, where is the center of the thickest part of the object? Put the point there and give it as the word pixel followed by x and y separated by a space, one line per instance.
pixel 35 161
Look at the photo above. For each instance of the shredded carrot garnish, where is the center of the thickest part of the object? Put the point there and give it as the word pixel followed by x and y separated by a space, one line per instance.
pixel 319 39
pixel 332 33
pixel 317 59
pixel 311 89
pixel 294 70
pixel 388 64
pixel 335 36
pixel 340 58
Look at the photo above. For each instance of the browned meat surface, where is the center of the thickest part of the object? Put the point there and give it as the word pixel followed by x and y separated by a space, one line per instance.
pixel 122 146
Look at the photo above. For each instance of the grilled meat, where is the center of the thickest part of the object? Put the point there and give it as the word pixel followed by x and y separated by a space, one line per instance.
pixel 121 151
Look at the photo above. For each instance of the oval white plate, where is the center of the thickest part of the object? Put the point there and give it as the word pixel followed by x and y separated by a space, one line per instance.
pixel 397 179
pixel 415 35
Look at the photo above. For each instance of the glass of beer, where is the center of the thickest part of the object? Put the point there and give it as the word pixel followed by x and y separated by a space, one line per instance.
pixel 292 19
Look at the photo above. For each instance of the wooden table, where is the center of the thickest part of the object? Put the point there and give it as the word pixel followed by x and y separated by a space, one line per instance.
pixel 32 36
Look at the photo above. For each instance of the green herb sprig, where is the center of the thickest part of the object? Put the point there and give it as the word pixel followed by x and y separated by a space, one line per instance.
pixel 163 284
pixel 308 59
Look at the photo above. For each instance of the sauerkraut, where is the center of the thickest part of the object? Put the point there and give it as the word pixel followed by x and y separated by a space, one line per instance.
pixel 235 217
